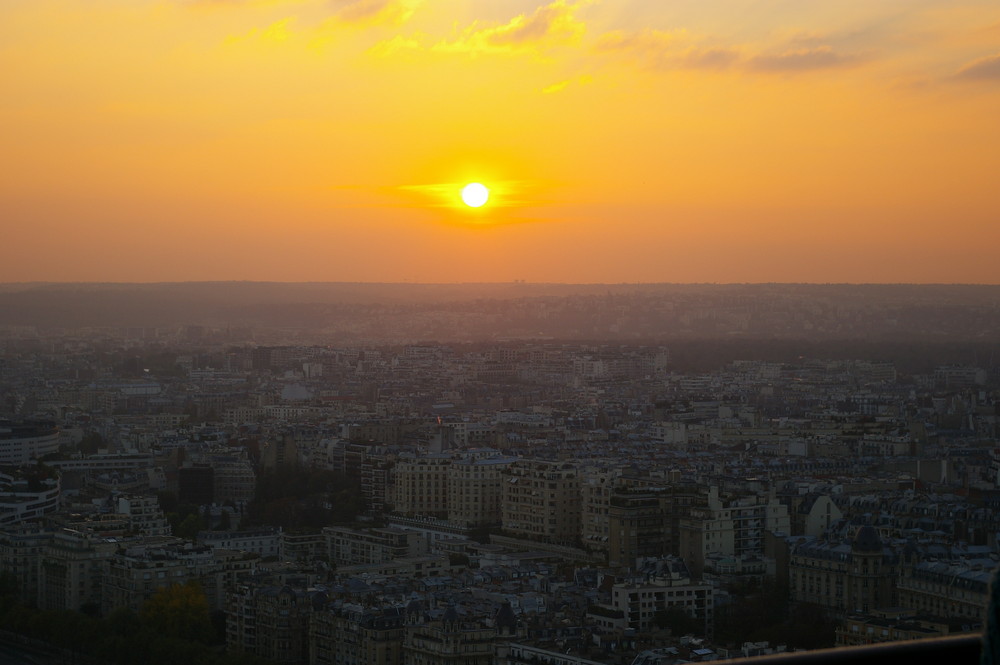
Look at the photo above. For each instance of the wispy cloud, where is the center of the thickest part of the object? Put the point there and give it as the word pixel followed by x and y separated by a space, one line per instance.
pixel 583 79
pixel 243 3
pixel 548 25
pixel 663 49
pixel 645 41
pixel 388 48
pixel 555 87
pixel 371 12
pixel 711 58
pixel 800 60
pixel 982 69
pixel 279 31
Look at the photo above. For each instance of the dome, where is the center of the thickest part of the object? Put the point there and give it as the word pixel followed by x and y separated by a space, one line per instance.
pixel 867 540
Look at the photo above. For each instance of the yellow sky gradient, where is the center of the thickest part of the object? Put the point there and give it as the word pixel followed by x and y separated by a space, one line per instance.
pixel 623 140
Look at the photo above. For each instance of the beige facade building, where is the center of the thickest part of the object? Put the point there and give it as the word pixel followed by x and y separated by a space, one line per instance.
pixel 270 622
pixel 886 626
pixel 133 576
pixel 448 642
pixel 347 546
pixel 639 525
pixel 143 514
pixel 859 576
pixel 355 635
pixel 474 490
pixel 541 501
pixel 946 590
pixel 421 485
pixel 732 526
pixel 596 488
pixel 70 570
pixel 670 586
pixel 20 548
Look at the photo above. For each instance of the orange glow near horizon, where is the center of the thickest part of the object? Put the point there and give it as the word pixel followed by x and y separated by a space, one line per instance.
pixel 620 140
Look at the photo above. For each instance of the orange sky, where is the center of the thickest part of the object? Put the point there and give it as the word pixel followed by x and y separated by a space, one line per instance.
pixel 623 140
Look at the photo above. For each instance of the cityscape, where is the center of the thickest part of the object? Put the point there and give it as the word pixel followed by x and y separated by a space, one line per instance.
pixel 505 499
pixel 533 332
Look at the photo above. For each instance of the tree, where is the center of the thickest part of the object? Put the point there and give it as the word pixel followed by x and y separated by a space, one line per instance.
pixel 189 527
pixel 678 621
pixel 179 611
pixel 9 585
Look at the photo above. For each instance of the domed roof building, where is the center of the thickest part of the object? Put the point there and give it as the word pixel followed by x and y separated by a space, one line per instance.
pixel 857 575
pixel 866 540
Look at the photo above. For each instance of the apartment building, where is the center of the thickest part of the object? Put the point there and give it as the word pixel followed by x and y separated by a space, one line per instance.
pixel 733 526
pixel 355 635
pixel 662 584
pixel 541 501
pixel 639 525
pixel 143 514
pixel 271 622
pixel 264 541
pixel 23 498
pixel 449 641
pixel 421 485
pixel 950 590
pixel 886 626
pixel 859 576
pixel 347 546
pixel 70 570
pixel 20 548
pixel 132 576
pixel 23 441
pixel 475 490
pixel 596 488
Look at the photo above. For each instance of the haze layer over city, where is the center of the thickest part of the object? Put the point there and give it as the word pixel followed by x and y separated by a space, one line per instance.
pixel 535 332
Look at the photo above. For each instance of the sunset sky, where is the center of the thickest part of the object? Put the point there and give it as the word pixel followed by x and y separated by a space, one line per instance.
pixel 621 140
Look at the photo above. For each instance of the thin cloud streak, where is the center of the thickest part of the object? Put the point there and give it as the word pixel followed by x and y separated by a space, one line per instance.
pixel 549 25
pixel 983 69
pixel 823 57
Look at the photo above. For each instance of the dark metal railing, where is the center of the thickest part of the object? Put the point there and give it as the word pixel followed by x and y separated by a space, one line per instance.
pixel 951 650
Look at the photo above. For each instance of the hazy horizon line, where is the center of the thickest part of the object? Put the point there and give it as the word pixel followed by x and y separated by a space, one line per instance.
pixel 474 283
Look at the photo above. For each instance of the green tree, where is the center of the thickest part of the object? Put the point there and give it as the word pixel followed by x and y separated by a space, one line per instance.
pixel 90 443
pixel 179 611
pixel 189 527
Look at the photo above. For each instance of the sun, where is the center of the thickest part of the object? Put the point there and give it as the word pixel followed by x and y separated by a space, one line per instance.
pixel 475 195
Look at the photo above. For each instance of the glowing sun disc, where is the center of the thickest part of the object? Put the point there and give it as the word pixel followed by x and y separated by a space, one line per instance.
pixel 475 195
